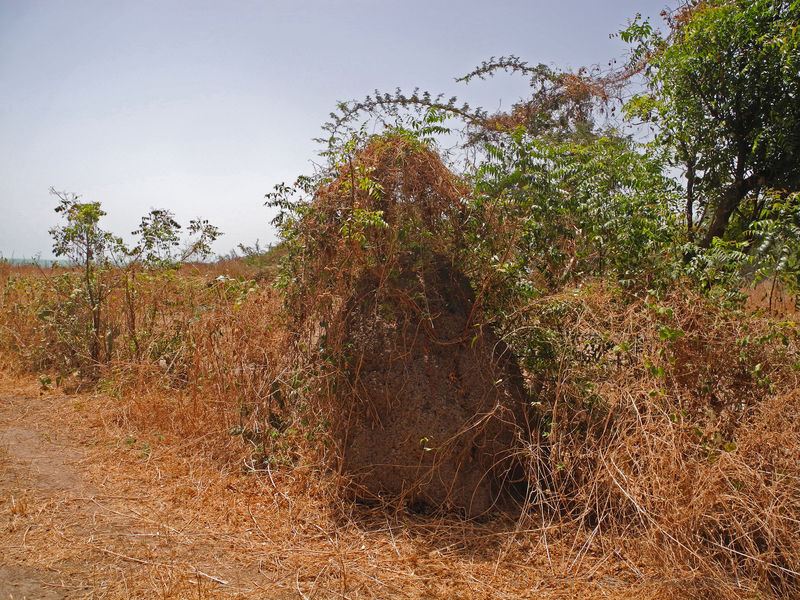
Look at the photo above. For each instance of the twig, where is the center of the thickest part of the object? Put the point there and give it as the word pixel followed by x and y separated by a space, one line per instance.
pixel 134 559
pixel 211 577
pixel 384 584
pixel 751 557
pixel 24 537
pixel 261 531
pixel 391 534
pixel 297 585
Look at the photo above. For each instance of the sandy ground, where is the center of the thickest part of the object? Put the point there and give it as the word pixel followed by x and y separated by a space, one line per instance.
pixel 40 468
pixel 74 525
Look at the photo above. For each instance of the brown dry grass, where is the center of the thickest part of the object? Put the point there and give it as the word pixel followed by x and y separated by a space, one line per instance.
pixel 675 474
pixel 687 441
pixel 178 522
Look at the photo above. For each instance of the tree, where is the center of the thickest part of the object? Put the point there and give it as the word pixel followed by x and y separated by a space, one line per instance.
pixel 159 240
pixel 545 214
pixel 157 248
pixel 96 252
pixel 724 90
pixel 85 243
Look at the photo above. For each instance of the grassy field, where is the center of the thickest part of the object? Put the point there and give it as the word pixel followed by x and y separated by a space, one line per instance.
pixel 672 473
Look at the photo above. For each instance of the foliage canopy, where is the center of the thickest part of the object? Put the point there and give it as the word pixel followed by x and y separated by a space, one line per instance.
pixel 724 91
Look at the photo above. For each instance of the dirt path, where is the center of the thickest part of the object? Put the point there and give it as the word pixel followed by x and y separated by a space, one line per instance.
pixel 70 530
pixel 39 467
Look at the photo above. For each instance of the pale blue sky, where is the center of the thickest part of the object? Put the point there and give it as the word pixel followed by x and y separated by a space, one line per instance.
pixel 201 107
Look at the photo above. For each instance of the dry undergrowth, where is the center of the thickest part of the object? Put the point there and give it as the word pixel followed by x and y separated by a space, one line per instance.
pixel 679 427
pixel 662 458
pixel 644 506
pixel 174 522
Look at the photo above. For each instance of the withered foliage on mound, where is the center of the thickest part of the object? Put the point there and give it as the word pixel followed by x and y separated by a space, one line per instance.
pixel 420 401
pixel 661 420
pixel 433 409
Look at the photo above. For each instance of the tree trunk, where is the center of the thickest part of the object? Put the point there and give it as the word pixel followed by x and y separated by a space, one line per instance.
pixel 729 200
pixel 690 176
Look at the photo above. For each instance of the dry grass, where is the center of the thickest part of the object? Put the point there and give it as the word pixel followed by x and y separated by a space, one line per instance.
pixel 681 432
pixel 179 523
pixel 672 469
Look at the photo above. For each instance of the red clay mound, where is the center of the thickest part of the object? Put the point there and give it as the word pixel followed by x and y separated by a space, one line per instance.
pixel 434 412
pixel 425 406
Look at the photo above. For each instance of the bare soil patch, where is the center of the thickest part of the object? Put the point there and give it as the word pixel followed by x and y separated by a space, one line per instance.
pixel 434 412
